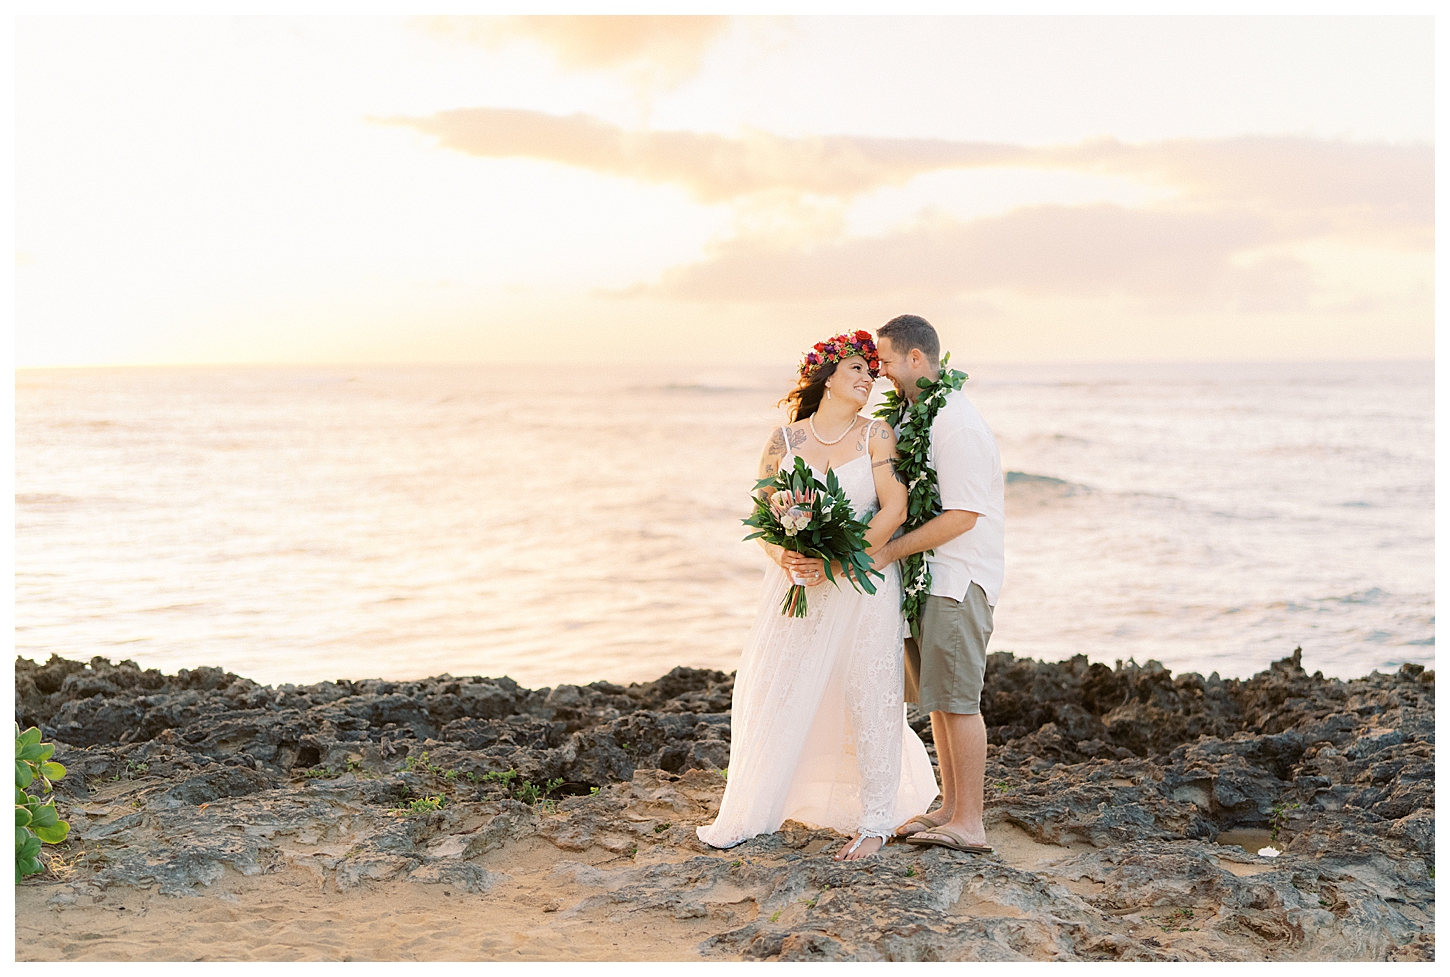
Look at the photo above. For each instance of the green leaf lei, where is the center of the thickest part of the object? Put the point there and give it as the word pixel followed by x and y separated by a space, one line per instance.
pixel 913 419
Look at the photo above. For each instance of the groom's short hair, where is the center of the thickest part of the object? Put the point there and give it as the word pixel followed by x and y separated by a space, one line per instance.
pixel 909 332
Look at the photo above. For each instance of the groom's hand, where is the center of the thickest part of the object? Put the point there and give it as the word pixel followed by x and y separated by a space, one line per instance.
pixel 881 555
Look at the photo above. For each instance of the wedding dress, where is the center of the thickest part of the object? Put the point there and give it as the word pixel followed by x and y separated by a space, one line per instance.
pixel 818 727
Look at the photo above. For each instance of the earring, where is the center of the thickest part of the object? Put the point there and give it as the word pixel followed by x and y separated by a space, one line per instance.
pixel 828 393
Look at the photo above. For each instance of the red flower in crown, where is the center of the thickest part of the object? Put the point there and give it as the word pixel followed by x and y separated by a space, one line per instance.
pixel 842 347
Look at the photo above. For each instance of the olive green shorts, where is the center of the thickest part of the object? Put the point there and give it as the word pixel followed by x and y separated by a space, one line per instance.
pixel 944 672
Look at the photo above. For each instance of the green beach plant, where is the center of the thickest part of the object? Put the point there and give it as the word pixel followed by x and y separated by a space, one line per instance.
pixel 531 793
pixel 526 790
pixel 422 805
pixel 36 821
pixel 1279 816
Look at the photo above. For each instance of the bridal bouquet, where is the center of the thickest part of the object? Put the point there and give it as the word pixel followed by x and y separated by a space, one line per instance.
pixel 806 517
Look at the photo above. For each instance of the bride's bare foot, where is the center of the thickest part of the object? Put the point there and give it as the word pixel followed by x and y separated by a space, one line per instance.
pixel 865 849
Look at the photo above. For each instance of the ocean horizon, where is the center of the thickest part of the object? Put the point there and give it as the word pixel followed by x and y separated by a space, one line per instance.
pixel 302 523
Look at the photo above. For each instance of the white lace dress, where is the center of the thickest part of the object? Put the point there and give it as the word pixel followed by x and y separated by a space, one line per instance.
pixel 818 727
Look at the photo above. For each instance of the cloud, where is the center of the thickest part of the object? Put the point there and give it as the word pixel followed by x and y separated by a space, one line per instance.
pixel 1224 241
pixel 1311 186
pixel 1317 185
pixel 1167 259
pixel 660 51
pixel 712 167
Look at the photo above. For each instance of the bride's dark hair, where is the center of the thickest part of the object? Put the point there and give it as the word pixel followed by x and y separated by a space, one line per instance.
pixel 807 395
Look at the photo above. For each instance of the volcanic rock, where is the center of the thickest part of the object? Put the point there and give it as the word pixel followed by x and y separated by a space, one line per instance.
pixel 1126 804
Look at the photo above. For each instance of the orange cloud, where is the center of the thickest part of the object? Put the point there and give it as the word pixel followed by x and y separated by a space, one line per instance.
pixel 1225 242
pixel 1311 186
pixel 1167 259
pixel 668 49
pixel 712 167
pixel 1315 185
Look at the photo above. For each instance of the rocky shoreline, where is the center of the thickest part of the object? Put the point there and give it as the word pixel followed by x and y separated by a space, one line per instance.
pixel 1127 806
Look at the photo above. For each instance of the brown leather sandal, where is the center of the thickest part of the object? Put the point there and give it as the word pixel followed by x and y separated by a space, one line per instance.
pixel 955 844
pixel 924 819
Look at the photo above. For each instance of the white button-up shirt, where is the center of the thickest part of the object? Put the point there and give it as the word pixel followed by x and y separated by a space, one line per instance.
pixel 969 476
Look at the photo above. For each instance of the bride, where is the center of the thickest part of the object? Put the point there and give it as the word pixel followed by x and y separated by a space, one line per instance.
pixel 818 725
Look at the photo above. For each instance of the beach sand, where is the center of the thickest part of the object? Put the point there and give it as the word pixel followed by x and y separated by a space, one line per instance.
pixel 542 912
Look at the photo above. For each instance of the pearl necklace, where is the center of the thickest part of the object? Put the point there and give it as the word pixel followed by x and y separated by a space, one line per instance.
pixel 849 428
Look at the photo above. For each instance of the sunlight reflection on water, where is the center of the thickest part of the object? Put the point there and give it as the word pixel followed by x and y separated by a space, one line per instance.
pixel 299 524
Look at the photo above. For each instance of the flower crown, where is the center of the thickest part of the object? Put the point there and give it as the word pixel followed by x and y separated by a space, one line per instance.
pixel 842 347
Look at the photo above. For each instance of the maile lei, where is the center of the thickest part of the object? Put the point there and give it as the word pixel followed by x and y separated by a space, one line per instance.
pixel 912 420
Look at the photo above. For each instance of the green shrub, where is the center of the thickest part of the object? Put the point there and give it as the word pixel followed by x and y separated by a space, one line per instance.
pixel 36 821
pixel 525 790
pixel 423 805
pixel 531 793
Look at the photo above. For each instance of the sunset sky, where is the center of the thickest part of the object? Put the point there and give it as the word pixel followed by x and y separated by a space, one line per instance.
pixel 379 189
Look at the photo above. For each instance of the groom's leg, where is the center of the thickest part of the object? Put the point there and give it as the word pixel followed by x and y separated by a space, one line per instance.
pixel 967 734
pixel 941 738
pixel 953 668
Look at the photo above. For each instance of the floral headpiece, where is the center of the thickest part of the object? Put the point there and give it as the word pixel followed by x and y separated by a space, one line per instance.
pixel 842 347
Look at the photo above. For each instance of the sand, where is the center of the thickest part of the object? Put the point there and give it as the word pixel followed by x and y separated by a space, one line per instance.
pixel 536 915
pixel 294 915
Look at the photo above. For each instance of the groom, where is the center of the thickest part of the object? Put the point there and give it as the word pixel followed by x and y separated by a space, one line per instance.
pixel 944 671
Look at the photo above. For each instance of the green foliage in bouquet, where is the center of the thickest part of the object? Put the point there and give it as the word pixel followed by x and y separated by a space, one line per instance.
pixel 35 821
pixel 794 510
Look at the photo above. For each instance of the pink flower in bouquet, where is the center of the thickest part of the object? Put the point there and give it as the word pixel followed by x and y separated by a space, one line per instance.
pixel 785 514
pixel 792 509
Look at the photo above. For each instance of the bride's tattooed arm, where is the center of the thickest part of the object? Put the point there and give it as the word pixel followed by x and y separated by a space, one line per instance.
pixel 770 460
pixel 878 432
pixel 890 487
pixel 775 450
pixel 895 472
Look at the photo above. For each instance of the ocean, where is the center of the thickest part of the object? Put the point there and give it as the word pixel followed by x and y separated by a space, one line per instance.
pixel 562 524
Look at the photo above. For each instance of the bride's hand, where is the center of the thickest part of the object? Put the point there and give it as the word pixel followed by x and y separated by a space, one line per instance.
pixel 808 568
